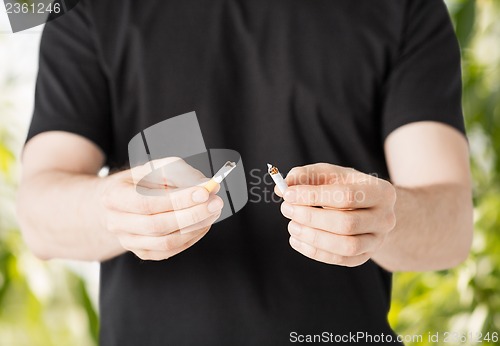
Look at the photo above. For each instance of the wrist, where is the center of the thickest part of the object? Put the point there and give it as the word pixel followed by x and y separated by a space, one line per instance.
pixel 103 187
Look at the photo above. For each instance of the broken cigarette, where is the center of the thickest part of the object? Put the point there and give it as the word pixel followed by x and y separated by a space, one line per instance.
pixel 219 176
pixel 277 178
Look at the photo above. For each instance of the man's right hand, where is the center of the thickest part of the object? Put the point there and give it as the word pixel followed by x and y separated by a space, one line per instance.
pixel 147 211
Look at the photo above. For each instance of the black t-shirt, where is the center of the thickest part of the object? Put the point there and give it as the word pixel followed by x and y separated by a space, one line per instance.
pixel 290 82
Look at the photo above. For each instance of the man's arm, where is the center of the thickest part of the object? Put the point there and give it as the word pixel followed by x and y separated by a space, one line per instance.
pixel 422 221
pixel 59 201
pixel 429 166
pixel 66 211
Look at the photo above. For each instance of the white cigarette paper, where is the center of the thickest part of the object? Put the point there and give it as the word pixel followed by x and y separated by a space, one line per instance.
pixel 219 176
pixel 224 171
pixel 277 178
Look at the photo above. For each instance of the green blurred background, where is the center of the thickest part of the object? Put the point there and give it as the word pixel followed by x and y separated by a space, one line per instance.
pixel 54 303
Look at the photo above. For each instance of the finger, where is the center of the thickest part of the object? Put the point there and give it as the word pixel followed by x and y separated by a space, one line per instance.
pixel 325 256
pixel 153 201
pixel 340 196
pixel 277 191
pixel 322 174
pixel 209 184
pixel 161 224
pixel 350 222
pixel 149 184
pixel 344 245
pixel 163 255
pixel 203 224
pixel 168 243
pixel 138 173
pixel 176 173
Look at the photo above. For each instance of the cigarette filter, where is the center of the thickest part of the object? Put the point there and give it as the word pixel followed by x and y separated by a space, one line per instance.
pixel 219 176
pixel 277 178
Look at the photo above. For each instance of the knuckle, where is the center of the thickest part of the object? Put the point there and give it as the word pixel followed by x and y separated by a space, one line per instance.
pixel 310 251
pixel 210 221
pixel 314 196
pixel 344 198
pixel 353 247
pixel 169 243
pixel 390 219
pixel 154 226
pixel 309 214
pixel 294 171
pixel 315 240
pixel 145 205
pixel 350 223
pixel 304 215
pixel 195 217
pixel 314 252
pixel 201 230
pixel 349 198
pixel 175 201
pixel 298 174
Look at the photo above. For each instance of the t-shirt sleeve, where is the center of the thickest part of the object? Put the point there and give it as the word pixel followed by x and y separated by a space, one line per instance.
pixel 425 81
pixel 72 90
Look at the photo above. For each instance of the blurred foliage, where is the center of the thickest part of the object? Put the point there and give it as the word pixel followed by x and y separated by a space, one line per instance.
pixel 48 304
pixel 41 304
pixel 467 299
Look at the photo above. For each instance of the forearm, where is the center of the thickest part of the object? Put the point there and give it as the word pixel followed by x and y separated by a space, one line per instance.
pixel 433 229
pixel 60 216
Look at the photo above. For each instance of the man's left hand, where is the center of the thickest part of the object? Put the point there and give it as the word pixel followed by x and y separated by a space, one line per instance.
pixel 338 215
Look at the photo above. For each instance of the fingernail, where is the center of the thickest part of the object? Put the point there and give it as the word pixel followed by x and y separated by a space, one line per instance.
pixel 287 210
pixel 290 196
pixel 294 228
pixel 200 195
pixel 215 205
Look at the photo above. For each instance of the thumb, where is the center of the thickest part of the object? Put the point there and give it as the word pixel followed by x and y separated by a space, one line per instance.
pixel 170 171
pixel 322 174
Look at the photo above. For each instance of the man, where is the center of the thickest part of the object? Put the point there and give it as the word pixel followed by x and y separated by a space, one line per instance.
pixel 360 100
